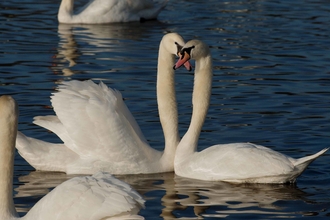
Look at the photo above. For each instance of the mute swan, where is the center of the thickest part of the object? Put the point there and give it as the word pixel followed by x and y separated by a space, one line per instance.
pixel 109 11
pixel 98 130
pixel 92 197
pixel 237 162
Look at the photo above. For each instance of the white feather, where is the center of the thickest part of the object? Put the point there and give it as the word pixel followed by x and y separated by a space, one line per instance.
pixel 100 196
pixel 109 11
pixel 98 130
pixel 238 162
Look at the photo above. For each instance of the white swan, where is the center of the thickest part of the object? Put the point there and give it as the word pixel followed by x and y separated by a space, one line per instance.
pixel 92 197
pixel 237 162
pixel 109 11
pixel 100 133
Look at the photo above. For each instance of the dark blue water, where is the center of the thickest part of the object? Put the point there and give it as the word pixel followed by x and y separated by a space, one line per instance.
pixel 271 87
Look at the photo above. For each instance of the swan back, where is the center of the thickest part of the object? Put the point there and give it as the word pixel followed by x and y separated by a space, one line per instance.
pixel 109 11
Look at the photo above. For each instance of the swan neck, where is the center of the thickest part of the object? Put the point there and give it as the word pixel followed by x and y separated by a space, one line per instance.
pixel 200 101
pixel 65 11
pixel 166 99
pixel 8 131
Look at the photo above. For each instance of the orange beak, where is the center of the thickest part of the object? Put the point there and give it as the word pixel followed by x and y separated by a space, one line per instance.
pixel 184 60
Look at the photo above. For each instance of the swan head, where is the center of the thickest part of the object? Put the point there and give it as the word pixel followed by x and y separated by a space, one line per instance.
pixel 193 49
pixel 173 43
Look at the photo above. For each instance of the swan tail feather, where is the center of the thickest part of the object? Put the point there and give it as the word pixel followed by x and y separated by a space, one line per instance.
pixel 43 155
pixel 302 163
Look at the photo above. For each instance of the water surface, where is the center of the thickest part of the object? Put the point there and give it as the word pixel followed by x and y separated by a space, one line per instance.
pixel 271 87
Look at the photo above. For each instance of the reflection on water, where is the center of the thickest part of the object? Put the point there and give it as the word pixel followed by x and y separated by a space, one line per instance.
pixel 110 39
pixel 271 87
pixel 182 197
pixel 219 199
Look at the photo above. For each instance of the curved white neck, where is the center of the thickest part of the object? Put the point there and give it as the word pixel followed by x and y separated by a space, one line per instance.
pixel 200 100
pixel 65 12
pixel 8 131
pixel 166 99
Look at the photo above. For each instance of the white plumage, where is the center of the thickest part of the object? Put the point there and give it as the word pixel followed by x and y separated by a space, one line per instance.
pixel 89 197
pixel 100 196
pixel 238 162
pixel 109 11
pixel 98 130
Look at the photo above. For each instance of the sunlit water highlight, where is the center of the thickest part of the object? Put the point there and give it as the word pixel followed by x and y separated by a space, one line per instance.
pixel 271 87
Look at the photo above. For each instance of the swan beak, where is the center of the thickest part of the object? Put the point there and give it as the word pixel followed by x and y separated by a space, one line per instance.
pixel 184 60
pixel 188 66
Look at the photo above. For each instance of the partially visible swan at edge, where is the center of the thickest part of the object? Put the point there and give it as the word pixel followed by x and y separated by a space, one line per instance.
pixel 109 11
pixel 100 196
pixel 98 130
pixel 237 162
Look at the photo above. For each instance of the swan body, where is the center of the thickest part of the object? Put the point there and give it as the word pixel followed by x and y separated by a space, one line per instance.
pixel 109 11
pixel 105 196
pixel 237 162
pixel 98 130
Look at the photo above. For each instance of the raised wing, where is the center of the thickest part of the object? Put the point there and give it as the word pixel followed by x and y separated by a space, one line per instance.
pixel 94 122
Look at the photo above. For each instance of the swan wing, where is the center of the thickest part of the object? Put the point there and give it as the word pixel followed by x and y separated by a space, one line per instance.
pixel 97 123
pixel 53 124
pixel 100 196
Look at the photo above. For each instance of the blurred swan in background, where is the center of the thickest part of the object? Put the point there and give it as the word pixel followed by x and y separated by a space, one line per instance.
pixel 100 196
pixel 109 11
pixel 237 162
pixel 98 130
